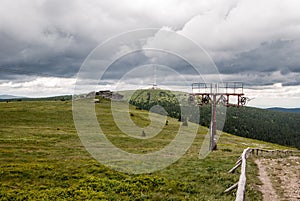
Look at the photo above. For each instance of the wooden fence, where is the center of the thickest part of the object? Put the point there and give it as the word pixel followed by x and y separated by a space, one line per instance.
pixel 241 184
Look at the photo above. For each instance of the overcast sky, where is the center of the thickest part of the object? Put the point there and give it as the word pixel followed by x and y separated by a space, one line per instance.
pixel 43 43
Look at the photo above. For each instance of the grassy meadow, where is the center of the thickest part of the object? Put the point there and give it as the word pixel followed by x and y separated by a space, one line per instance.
pixel 42 158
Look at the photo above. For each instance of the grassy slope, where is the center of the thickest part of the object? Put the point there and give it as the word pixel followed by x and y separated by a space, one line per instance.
pixel 42 158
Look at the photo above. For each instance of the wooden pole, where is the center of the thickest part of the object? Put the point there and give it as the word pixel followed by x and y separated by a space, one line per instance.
pixel 231 187
pixel 235 167
pixel 240 194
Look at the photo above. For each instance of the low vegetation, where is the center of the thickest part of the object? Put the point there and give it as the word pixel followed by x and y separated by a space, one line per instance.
pixel 42 158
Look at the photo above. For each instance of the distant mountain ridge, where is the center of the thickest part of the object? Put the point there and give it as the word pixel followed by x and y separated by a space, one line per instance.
pixel 7 96
pixel 293 110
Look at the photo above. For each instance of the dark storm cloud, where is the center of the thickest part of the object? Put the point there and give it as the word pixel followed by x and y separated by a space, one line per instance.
pixel 30 58
pixel 52 38
pixel 281 56
pixel 247 37
pixel 140 58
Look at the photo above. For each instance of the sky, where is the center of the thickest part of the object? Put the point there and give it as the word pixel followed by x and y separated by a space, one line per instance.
pixel 44 44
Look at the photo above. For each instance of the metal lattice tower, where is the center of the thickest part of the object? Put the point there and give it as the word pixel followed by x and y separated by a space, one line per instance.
pixel 154 77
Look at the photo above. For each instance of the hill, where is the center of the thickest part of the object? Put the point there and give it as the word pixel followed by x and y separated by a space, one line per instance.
pixel 146 99
pixel 42 158
pixel 6 96
pixel 267 125
pixel 280 109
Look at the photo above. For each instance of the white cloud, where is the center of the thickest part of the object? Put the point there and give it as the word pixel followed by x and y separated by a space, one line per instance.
pixel 41 21
pixel 39 87
pixel 242 25
pixel 222 27
pixel 274 95
pixel 41 33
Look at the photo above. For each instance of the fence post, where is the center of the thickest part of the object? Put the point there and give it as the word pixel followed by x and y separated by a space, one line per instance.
pixel 240 194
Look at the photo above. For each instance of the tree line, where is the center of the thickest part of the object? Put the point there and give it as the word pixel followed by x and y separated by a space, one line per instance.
pixel 262 124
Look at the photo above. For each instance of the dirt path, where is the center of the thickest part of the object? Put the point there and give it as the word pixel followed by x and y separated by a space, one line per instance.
pixel 267 189
pixel 280 178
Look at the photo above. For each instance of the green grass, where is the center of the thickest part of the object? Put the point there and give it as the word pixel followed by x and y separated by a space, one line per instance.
pixel 42 158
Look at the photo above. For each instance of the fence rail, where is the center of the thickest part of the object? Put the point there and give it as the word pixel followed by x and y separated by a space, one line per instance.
pixel 241 184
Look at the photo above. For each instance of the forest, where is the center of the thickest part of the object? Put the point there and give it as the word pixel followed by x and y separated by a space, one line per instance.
pixel 262 124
